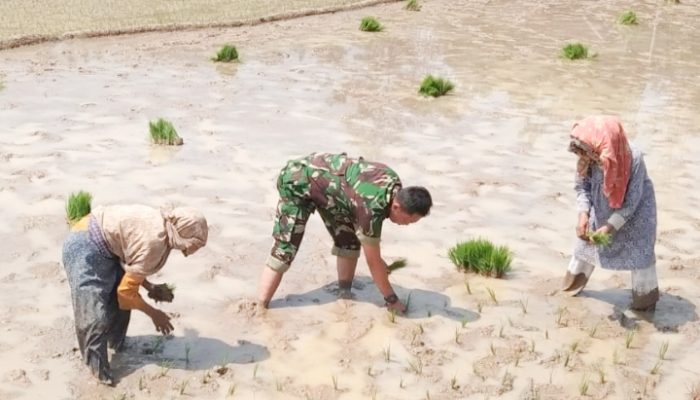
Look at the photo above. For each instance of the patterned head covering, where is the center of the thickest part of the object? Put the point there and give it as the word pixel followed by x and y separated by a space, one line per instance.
pixel 187 229
pixel 603 140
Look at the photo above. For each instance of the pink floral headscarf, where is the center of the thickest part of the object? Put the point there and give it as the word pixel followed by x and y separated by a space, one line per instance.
pixel 603 138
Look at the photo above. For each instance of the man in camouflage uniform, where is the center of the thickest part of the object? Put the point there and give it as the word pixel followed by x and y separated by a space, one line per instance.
pixel 353 197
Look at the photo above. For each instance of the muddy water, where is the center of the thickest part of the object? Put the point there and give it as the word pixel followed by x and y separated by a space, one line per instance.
pixel 74 115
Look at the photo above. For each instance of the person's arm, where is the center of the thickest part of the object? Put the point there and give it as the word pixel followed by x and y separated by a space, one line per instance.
pixel 128 298
pixel 583 204
pixel 379 271
pixel 633 196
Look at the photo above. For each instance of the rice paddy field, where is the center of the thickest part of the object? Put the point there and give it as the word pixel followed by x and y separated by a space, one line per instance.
pixel 75 113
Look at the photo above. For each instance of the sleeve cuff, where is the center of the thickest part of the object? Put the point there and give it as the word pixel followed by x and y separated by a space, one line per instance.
pixel 616 220
pixel 364 239
pixel 128 295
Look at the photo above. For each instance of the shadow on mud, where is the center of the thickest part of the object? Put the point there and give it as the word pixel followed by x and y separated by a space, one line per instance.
pixel 189 352
pixel 671 311
pixel 421 303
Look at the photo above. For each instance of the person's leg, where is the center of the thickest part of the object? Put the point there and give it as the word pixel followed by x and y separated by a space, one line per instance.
pixel 346 247
pixel 120 323
pixel 91 280
pixel 577 275
pixel 290 223
pixel 645 289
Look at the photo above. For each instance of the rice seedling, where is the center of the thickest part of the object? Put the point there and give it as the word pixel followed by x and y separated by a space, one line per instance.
pixel 78 205
pixel 370 24
pixel 546 333
pixel 387 353
pixel 391 315
pixel 183 387
pixel 615 357
pixel 187 354
pixel 435 86
pixel 142 383
pixel 574 347
pixel 469 289
pixel 231 390
pixel 398 264
pixel 226 53
pixel 567 359
pixel 412 5
pixel 574 51
pixel 427 395
pixel 657 368
pixel 407 303
pixel 430 313
pixel 482 257
pixel 593 330
pixel 165 367
pixel 420 328
pixel 402 385
pixel 493 349
pixel 601 374
pixel 417 366
pixel 163 132
pixel 510 322
pixel 517 360
pixel 492 295
pixel 279 385
pixel 370 373
pixel 628 18
pixel 507 381
pixel 500 332
pixel 120 396
pixel 335 382
pixel 662 350
pixel 453 383
pixel 600 238
pixel 583 386
pixel 532 346
pixel 206 378
pixel 629 337
pixel 523 306
pixel 457 336
pixel 560 315
pixel 255 371
pixel 464 322
pixel 479 307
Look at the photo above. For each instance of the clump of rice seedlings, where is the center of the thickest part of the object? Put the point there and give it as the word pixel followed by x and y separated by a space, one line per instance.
pixel 78 205
pixel 583 386
pixel 600 238
pixel 482 257
pixel 163 132
pixel 628 18
pixel 492 295
pixel 629 337
pixel 227 53
pixel 662 350
pixel 398 264
pixel 574 51
pixel 412 5
pixel 507 382
pixel 657 368
pixel 142 383
pixel 560 316
pixel 435 86
pixel 279 385
pixel 370 24
pixel 165 367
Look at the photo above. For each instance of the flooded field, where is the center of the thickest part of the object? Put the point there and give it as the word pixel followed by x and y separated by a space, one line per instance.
pixel 74 115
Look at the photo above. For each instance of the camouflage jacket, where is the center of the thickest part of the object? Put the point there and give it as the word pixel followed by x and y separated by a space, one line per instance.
pixel 351 190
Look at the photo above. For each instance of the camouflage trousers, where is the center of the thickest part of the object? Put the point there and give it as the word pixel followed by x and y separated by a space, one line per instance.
pixel 293 210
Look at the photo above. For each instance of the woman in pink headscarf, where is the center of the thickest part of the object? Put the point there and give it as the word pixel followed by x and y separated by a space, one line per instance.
pixel 614 196
pixel 107 257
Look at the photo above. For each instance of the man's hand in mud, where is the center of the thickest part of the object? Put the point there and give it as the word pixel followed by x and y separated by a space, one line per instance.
pixel 162 292
pixel 397 307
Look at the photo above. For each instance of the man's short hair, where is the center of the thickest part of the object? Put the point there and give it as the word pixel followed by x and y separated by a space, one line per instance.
pixel 415 200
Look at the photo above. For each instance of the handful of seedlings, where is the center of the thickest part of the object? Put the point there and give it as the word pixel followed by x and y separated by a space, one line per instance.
pixel 600 238
pixel 163 132
pixel 482 257
pixel 370 24
pixel 398 264
pixel 78 206
pixel 162 292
